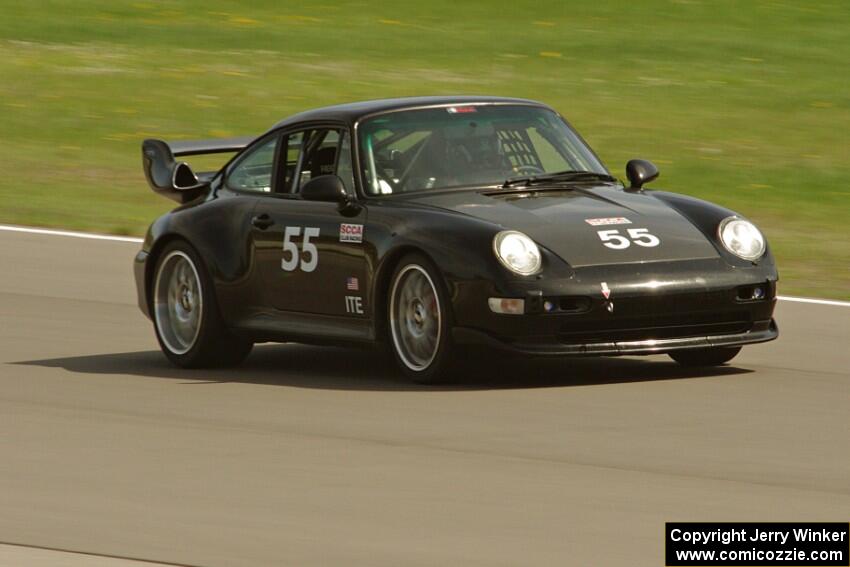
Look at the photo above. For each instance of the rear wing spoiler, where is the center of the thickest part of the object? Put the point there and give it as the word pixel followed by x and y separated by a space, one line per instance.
pixel 175 179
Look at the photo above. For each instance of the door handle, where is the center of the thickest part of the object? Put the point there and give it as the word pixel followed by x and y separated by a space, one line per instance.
pixel 262 221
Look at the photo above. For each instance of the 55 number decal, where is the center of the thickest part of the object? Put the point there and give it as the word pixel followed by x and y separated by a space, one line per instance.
pixel 307 248
pixel 616 241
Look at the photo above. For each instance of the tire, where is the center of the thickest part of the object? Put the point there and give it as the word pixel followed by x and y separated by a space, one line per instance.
pixel 185 313
pixel 419 321
pixel 705 356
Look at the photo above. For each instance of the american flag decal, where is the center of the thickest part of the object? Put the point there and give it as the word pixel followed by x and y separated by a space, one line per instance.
pixel 352 284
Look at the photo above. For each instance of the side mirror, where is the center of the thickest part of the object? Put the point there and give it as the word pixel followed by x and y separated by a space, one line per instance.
pixel 639 172
pixel 327 188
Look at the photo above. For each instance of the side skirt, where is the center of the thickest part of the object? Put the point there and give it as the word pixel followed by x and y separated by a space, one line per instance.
pixel 288 326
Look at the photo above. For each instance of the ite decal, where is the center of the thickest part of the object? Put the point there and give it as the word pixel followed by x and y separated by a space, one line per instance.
pixel 354 304
pixel 606 293
pixel 351 233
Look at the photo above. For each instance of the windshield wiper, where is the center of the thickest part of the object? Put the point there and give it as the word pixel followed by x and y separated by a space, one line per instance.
pixel 530 180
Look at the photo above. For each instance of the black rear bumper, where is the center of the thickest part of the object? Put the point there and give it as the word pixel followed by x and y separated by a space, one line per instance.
pixel 760 331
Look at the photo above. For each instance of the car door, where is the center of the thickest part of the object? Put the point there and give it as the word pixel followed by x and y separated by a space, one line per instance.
pixel 312 257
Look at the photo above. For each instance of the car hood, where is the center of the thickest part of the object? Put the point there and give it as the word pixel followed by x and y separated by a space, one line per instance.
pixel 569 222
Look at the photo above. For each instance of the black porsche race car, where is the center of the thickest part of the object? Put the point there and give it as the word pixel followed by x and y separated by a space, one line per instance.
pixel 426 224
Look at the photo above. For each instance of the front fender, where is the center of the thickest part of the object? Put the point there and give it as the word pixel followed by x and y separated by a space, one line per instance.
pixel 706 217
pixel 461 248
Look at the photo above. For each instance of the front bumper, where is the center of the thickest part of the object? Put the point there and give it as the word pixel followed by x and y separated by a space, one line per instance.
pixel 762 331
pixel 626 309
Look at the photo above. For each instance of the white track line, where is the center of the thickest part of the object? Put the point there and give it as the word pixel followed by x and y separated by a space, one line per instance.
pixel 88 235
pixel 132 239
pixel 816 301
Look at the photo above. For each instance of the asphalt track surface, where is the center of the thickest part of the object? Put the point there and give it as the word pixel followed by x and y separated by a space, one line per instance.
pixel 318 456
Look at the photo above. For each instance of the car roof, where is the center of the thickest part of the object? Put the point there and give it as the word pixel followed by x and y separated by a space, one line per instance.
pixel 353 111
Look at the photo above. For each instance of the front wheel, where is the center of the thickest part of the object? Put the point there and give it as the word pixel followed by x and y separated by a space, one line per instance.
pixel 705 356
pixel 420 320
pixel 185 314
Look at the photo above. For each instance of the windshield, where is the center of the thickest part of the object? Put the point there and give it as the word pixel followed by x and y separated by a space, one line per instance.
pixel 478 145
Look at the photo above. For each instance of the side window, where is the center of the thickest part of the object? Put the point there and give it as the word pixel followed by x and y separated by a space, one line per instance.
pixel 311 153
pixel 322 147
pixel 254 171
pixel 328 152
pixel 293 145
pixel 344 167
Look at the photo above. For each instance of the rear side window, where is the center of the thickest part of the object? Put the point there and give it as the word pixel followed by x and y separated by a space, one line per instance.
pixel 253 172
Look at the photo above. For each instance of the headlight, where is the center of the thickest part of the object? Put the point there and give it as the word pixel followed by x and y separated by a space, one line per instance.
pixel 517 252
pixel 741 238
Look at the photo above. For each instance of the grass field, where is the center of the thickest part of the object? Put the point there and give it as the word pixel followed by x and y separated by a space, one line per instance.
pixel 746 103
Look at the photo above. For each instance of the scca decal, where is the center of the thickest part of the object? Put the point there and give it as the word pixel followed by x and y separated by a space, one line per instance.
pixel 351 233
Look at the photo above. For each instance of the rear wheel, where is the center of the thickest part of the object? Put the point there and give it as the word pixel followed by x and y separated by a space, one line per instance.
pixel 420 321
pixel 705 356
pixel 185 313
